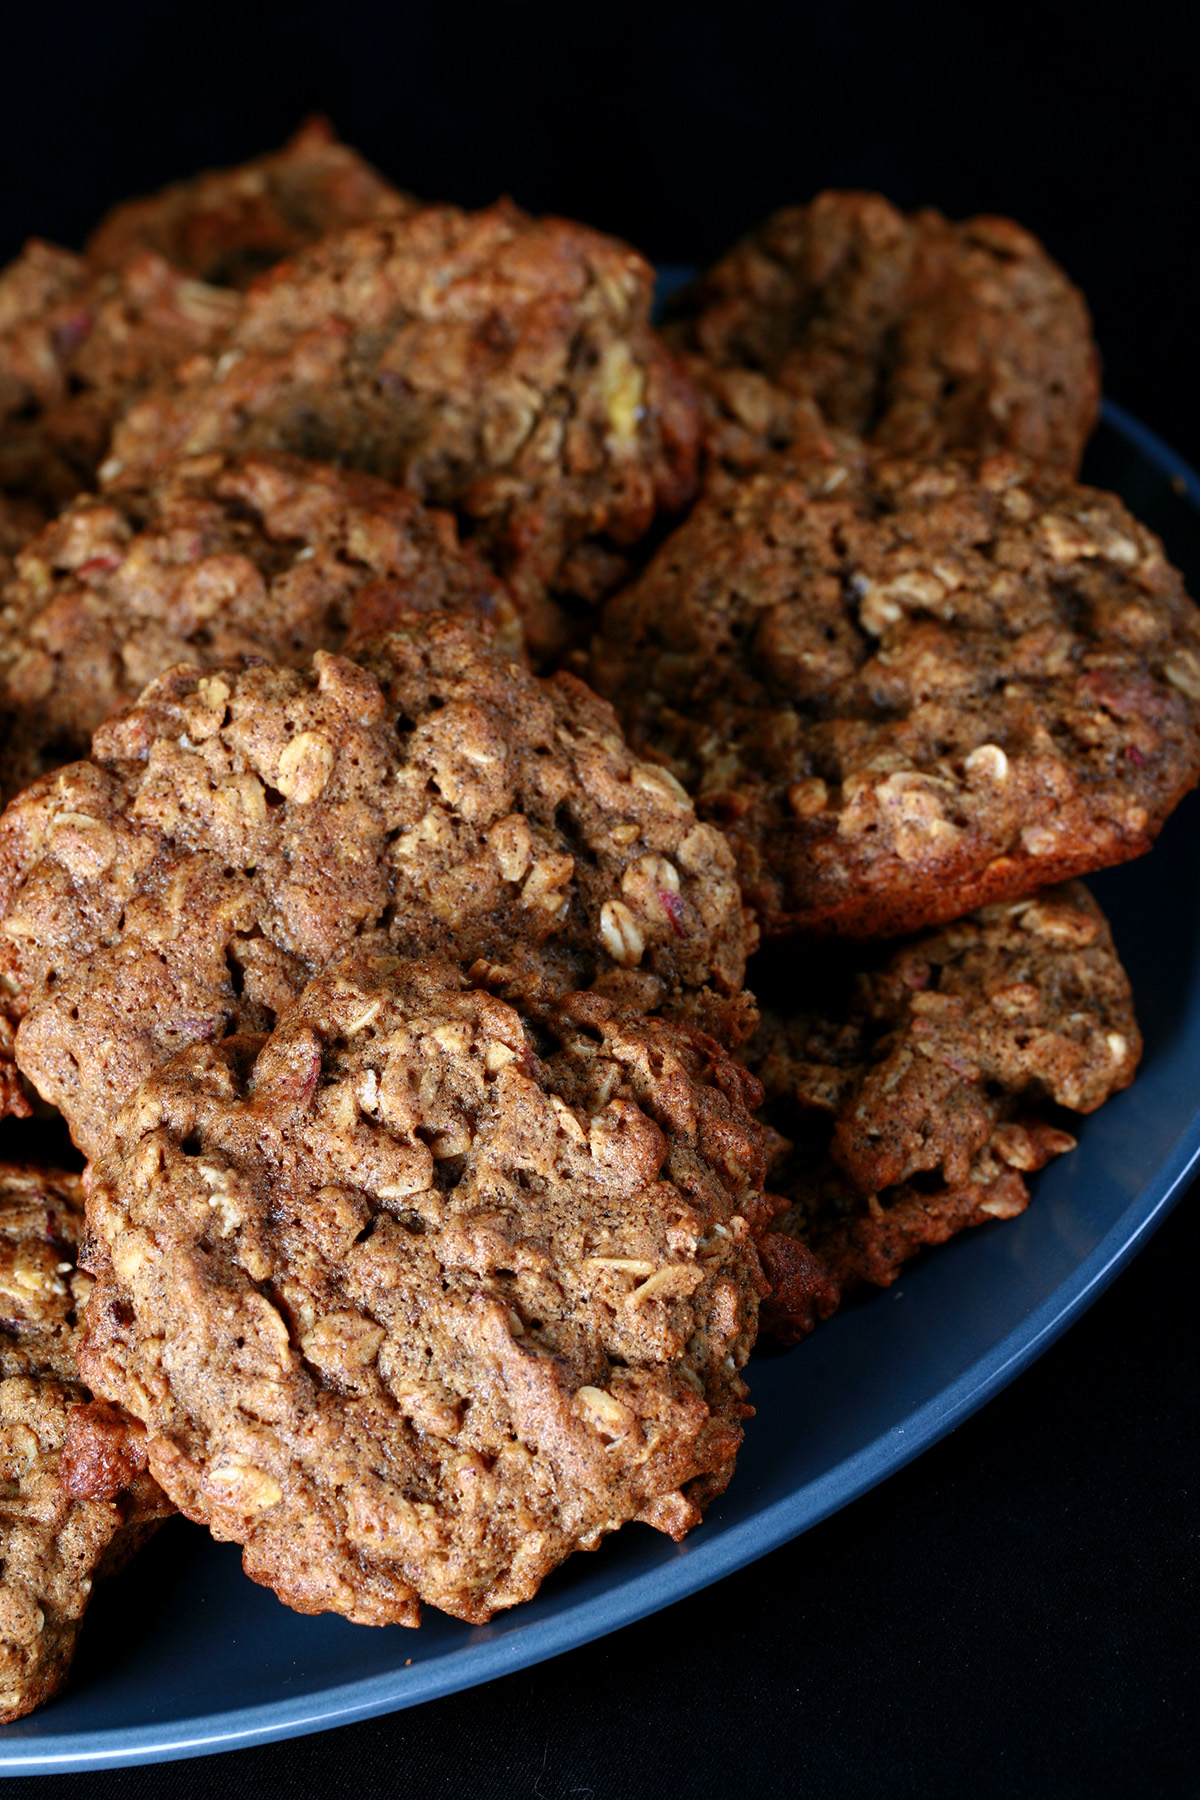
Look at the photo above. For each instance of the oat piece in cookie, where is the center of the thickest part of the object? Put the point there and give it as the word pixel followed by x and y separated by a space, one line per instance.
pixel 420 1294
pixel 227 225
pixel 76 345
pixel 924 336
pixel 226 557
pixel 236 828
pixel 921 1089
pixel 907 689
pixel 488 361
pixel 53 1543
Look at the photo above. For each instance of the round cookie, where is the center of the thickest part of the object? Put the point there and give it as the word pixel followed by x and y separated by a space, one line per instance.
pixel 54 1543
pixel 915 1090
pixel 924 336
pixel 225 557
pixel 488 361
pixel 906 689
pixel 76 344
pixel 227 225
pixel 236 828
pixel 419 1295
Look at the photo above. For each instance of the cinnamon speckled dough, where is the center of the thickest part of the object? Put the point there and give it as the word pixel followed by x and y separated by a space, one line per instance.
pixel 923 335
pixel 906 689
pixel 263 556
pixel 918 1094
pixel 419 1295
pixel 53 1544
pixel 236 828
pixel 495 363
pixel 76 344
pixel 227 225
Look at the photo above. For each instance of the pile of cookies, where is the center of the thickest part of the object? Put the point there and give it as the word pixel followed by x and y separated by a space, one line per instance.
pixel 432 702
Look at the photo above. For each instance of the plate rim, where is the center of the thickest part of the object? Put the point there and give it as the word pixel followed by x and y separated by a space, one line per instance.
pixel 707 1561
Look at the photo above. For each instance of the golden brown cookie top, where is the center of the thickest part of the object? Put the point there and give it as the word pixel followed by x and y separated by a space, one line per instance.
pixel 225 557
pixel 489 361
pixel 908 688
pixel 227 225
pixel 236 828
pixel 421 1293
pixel 920 334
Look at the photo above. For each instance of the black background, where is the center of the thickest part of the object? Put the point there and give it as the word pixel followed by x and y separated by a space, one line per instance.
pixel 1015 1614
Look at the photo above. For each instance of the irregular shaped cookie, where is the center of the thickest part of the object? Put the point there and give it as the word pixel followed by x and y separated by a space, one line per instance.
pixel 919 1093
pixel 906 689
pixel 420 1294
pixel 227 225
pixel 922 335
pixel 236 828
pixel 53 1543
pixel 488 361
pixel 75 346
pixel 260 556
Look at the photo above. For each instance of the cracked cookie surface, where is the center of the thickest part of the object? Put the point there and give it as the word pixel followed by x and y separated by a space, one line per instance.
pixel 420 1294
pixel 918 1093
pixel 226 226
pixel 54 1543
pixel 905 689
pixel 235 829
pixel 919 334
pixel 225 557
pixel 495 363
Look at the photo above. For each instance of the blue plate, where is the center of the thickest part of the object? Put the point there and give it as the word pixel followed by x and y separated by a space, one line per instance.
pixel 183 1655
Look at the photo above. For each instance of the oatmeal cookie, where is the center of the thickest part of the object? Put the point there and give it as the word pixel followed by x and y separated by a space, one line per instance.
pixel 421 1293
pixel 225 557
pixel 228 225
pixel 54 1543
pixel 918 1093
pixel 76 345
pixel 906 689
pixel 235 828
pixel 922 335
pixel 495 363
